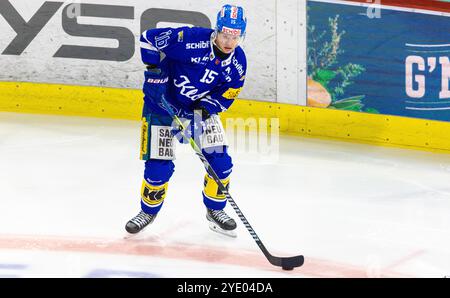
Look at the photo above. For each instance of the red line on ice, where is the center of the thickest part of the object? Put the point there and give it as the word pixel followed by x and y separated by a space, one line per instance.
pixel 313 267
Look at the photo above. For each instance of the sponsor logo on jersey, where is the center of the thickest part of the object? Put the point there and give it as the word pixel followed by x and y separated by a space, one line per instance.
pixel 232 93
pixel 199 60
pixel 238 66
pixel 231 31
pixel 226 62
pixel 197 45
pixel 188 90
pixel 158 81
pixel 227 73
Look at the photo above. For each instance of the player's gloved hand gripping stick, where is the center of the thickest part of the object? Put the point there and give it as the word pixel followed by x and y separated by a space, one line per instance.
pixel 287 263
pixel 155 84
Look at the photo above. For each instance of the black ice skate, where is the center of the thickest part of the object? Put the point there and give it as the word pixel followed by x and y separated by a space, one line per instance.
pixel 220 222
pixel 139 222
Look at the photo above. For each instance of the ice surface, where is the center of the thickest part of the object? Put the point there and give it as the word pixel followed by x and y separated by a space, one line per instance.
pixel 68 185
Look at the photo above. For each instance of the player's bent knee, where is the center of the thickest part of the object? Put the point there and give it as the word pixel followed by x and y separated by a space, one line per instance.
pixel 158 172
pixel 221 162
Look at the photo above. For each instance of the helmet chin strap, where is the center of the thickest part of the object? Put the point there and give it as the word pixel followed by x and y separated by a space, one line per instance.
pixel 213 40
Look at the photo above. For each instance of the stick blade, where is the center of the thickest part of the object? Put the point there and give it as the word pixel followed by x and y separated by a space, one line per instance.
pixel 292 262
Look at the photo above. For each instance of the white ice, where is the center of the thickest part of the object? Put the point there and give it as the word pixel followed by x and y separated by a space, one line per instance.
pixel 68 185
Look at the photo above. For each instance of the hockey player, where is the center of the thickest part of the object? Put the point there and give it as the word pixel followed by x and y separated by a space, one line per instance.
pixel 200 72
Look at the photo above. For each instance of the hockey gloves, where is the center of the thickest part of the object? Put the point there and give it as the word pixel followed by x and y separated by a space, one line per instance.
pixel 155 85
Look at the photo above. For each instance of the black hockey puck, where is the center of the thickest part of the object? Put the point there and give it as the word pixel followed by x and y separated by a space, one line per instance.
pixel 288 268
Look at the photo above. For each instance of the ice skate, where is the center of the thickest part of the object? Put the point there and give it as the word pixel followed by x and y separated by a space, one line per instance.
pixel 220 222
pixel 139 222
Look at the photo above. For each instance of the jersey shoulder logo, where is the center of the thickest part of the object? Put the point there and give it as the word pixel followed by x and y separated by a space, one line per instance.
pixel 162 40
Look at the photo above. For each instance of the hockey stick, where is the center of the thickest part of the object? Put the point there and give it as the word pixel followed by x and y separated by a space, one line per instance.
pixel 287 263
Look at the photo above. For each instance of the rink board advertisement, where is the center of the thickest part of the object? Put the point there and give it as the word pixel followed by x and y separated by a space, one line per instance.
pixel 379 60
pixel 96 42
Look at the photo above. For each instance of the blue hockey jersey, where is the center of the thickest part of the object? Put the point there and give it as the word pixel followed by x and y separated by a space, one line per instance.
pixel 196 76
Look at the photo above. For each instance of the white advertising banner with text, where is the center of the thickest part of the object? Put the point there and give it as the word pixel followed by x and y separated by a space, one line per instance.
pixel 96 42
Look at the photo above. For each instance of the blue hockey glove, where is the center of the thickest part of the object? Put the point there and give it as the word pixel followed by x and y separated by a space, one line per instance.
pixel 155 85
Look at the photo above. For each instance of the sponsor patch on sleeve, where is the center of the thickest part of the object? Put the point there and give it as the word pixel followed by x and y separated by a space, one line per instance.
pixel 232 93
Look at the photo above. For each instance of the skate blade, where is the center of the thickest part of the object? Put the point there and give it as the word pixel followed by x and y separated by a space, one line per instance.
pixel 128 235
pixel 219 230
